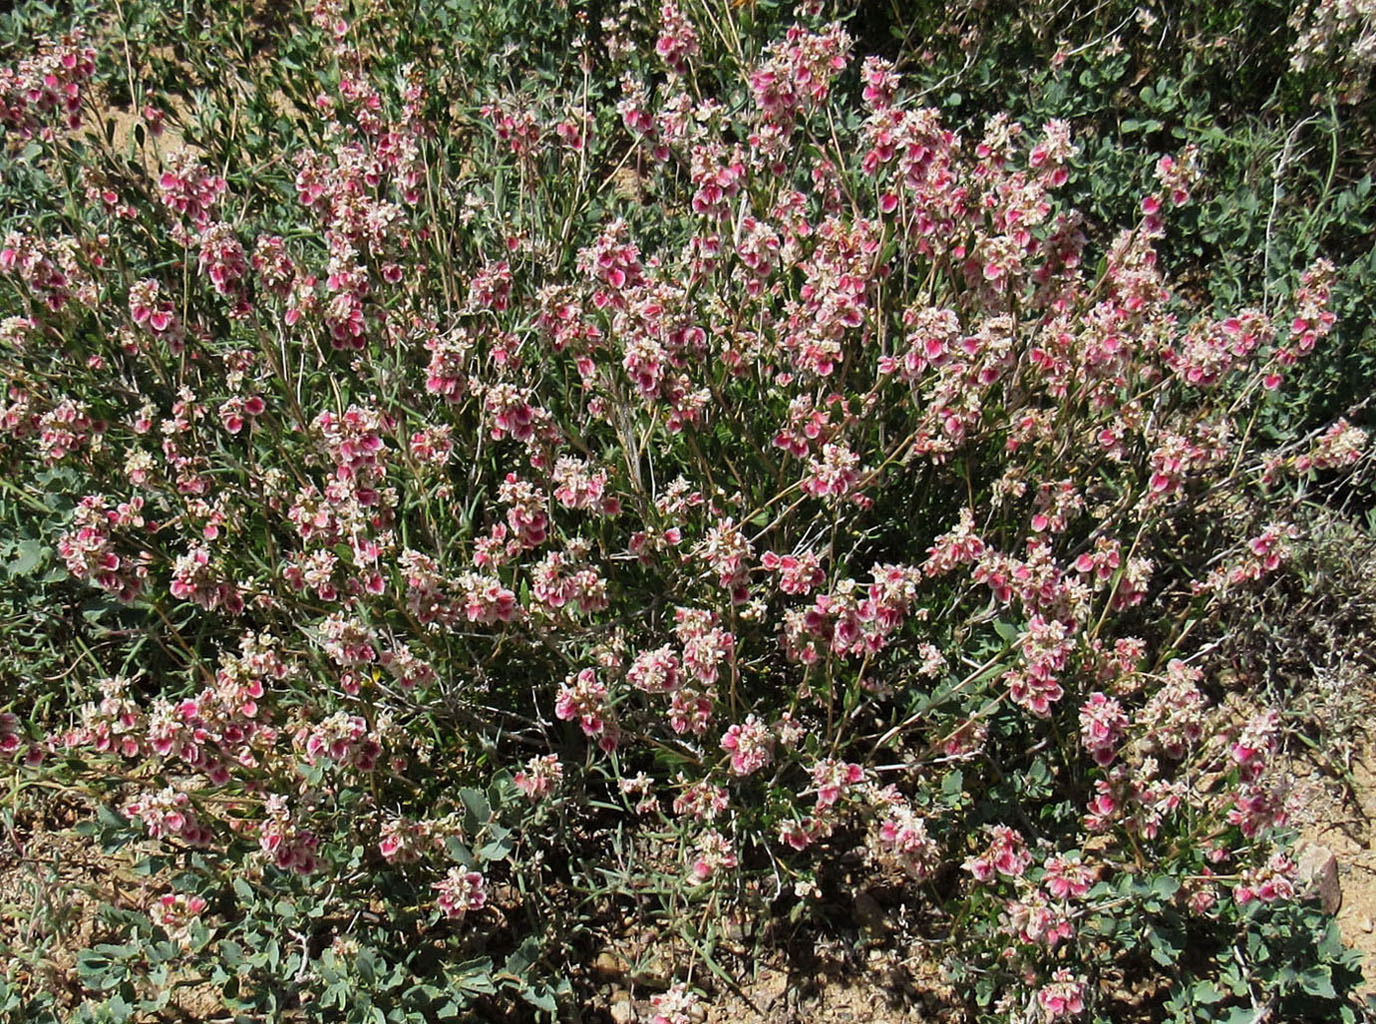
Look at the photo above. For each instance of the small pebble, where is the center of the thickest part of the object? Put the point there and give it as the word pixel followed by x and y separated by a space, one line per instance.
pixel 622 1010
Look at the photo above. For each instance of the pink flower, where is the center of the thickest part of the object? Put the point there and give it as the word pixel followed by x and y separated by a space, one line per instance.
pixel 655 671
pixel 402 841
pixel 796 833
pixel 798 574
pixel 701 800
pixel 188 189
pixel 1063 997
pixel 832 778
pixel 714 852
pixel 1007 855
pixel 176 913
pixel 583 697
pixel 1102 725
pixel 674 1006
pixel 903 837
pixel 835 474
pixel 459 892
pixel 1268 883
pixel 540 776
pixel 750 744
pixel 1067 877
pixel 678 39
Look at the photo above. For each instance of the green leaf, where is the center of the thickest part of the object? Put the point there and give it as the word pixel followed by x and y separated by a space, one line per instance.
pixel 365 963
pixel 1165 950
pixel 542 998
pixel 523 956
pixel 29 556
pixel 498 849
pixel 111 818
pixel 118 1008
pixel 1206 992
pixel 1165 886
pixel 459 852
pixel 952 785
pixel 1007 632
pixel 1318 982
pixel 476 976
pixel 476 807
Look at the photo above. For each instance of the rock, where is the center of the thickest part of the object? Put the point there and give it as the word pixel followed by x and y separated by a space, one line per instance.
pixel 1317 873
pixel 609 965
pixel 869 916
pixel 1208 782
pixel 771 989
pixel 738 928
pixel 1367 925
pixel 623 1012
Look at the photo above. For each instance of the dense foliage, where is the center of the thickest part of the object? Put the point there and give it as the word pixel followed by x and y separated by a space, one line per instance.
pixel 479 472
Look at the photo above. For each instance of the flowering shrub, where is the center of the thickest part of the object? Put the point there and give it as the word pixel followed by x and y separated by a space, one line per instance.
pixel 444 518
pixel 1343 31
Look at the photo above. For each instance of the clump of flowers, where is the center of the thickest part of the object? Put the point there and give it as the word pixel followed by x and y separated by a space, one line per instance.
pixel 459 893
pixel 176 913
pixel 1340 31
pixel 47 91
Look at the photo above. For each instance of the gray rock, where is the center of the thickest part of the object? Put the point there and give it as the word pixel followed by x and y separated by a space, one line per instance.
pixel 623 1011
pixel 1318 874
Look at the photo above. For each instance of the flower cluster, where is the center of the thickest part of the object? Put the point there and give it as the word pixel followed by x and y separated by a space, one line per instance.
pixel 47 90
pixel 459 893
pixel 1340 31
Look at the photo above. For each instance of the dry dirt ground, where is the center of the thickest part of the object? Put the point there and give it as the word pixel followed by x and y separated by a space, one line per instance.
pixel 52 880
pixel 875 980
pixel 1342 819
